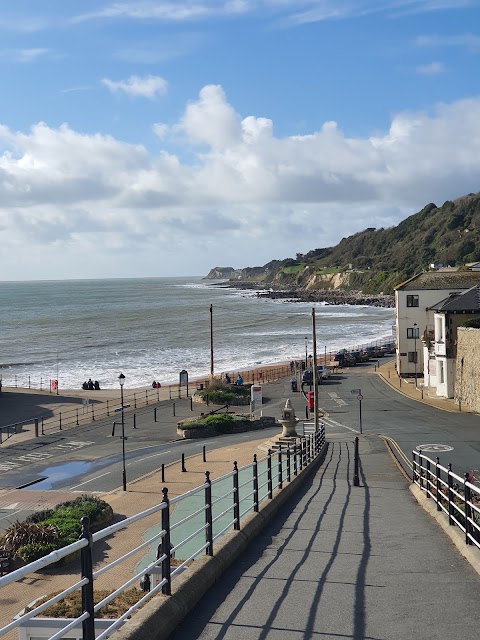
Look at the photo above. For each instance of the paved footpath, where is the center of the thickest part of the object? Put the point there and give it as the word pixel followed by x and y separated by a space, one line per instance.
pixel 342 561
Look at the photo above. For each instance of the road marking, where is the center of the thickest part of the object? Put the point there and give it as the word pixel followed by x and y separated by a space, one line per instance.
pixel 152 456
pixel 87 481
pixel 434 447
pixel 10 514
pixel 329 422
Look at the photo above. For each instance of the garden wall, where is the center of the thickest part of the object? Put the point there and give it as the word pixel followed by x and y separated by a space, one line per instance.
pixel 239 426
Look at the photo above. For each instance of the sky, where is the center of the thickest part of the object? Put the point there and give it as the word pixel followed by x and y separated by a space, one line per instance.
pixel 143 138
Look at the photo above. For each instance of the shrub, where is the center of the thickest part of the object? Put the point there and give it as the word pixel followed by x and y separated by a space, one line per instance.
pixel 52 528
pixel 20 534
pixel 221 421
pixel 36 550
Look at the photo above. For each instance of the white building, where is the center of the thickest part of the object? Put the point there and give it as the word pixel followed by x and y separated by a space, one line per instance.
pixel 441 352
pixel 414 300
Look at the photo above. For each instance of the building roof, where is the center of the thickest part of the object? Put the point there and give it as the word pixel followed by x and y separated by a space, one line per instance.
pixel 468 301
pixel 438 280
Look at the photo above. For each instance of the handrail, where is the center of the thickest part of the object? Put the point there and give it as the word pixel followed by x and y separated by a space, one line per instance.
pixel 459 501
pixel 205 531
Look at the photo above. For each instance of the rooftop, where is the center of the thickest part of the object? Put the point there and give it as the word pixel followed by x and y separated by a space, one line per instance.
pixel 438 280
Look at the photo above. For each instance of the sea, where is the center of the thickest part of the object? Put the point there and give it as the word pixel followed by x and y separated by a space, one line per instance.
pixel 153 328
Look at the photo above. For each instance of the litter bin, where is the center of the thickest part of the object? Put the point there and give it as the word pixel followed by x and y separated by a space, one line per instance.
pixel 293 384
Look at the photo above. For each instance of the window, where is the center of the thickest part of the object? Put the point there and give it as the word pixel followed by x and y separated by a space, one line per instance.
pixel 412 301
pixel 412 332
pixel 412 356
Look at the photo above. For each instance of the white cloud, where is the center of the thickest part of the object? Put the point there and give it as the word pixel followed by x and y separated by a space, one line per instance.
pixel 245 196
pixel 467 41
pixel 137 86
pixel 23 55
pixel 434 68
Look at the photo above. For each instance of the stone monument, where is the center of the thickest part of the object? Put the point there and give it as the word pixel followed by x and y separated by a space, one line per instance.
pixel 288 421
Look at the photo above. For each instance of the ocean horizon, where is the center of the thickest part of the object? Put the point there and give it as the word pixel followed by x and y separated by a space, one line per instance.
pixel 152 328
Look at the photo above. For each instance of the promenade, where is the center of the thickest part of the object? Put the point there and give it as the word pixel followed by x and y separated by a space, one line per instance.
pixel 338 561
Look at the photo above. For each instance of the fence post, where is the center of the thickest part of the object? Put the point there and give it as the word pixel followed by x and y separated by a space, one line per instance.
pixel 134 400
pixel 36 427
pixel 155 414
pixel 356 479
pixel 146 396
pixel 43 432
pixel 173 408
pixel 236 498
pixel 60 420
pixel 428 489
pixel 191 403
pixel 86 563
pixel 289 470
pixel 437 488
pixel 269 474
pixel 295 459
pixel 77 416
pixel 466 500
pixel 183 463
pixel 134 420
pixel 93 413
pixel 280 474
pixel 108 410
pixel 208 515
pixel 166 546
pixel 255 483
pixel 450 492
pixel 420 460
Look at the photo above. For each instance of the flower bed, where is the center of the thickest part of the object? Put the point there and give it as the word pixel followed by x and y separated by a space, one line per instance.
pixel 46 531
pixel 221 423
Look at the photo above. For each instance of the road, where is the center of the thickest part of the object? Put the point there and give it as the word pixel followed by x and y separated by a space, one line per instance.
pixel 88 458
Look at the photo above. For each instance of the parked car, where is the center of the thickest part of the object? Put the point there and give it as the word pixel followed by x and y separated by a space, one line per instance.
pixel 322 372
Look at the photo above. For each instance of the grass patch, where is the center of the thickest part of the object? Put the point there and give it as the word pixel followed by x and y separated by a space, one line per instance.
pixel 296 268
pixel 71 605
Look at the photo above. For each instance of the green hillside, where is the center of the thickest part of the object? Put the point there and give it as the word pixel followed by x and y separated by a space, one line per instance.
pixel 378 259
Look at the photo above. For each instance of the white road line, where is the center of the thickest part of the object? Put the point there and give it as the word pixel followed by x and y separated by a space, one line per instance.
pixel 87 481
pixel 152 456
pixel 10 514
pixel 331 422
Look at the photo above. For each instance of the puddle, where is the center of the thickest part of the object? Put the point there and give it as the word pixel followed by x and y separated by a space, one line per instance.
pixel 61 471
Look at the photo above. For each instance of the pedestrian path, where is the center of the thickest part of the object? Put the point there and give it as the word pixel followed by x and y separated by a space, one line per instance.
pixel 341 561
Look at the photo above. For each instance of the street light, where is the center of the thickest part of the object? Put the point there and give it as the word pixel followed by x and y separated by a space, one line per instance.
pixel 121 380
pixel 306 352
pixel 415 356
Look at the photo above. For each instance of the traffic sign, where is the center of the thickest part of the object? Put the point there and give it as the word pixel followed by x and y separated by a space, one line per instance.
pixel 359 397
pixel 356 391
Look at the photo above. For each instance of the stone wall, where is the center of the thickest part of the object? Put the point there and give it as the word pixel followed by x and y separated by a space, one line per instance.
pixel 467 380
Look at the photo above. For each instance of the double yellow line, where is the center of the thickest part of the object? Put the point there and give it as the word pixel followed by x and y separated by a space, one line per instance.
pixel 398 456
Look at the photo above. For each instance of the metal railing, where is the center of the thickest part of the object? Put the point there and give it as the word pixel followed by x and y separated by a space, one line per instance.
pixel 456 496
pixel 90 410
pixel 223 504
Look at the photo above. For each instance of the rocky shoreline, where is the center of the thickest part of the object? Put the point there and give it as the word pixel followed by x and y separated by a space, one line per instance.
pixel 330 296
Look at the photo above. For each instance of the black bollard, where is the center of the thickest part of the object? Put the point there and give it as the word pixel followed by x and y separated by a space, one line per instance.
pixel 155 414
pixel 356 479
pixel 163 472
pixel 183 463
pixel 173 408
pixel 204 453
pixel 134 420
pixel 113 429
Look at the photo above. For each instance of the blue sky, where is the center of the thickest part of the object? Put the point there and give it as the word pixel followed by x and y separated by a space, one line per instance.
pixel 165 138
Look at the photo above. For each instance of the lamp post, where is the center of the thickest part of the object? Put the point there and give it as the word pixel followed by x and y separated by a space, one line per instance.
pixel 121 380
pixel 415 356
pixel 306 352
